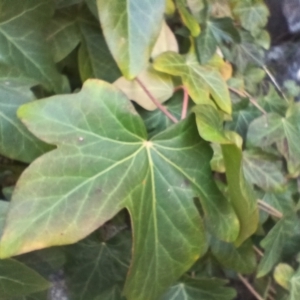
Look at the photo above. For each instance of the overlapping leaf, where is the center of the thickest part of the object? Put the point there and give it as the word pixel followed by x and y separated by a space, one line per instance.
pixel 295 286
pixel 16 141
pixel 19 280
pixel 274 242
pixel 131 28
pixel 94 173
pixel 98 268
pixel 241 194
pixel 26 48
pixel 200 288
pixel 200 81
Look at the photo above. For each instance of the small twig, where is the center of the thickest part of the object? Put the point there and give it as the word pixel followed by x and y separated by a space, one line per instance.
pixel 156 102
pixel 250 287
pixel 251 99
pixel 269 209
pixel 185 102
pixel 258 251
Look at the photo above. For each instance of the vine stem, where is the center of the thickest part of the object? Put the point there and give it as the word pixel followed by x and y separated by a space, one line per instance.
pixel 250 287
pixel 251 99
pixel 156 102
pixel 185 102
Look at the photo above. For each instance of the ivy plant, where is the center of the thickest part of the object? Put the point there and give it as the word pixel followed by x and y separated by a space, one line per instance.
pixel 147 153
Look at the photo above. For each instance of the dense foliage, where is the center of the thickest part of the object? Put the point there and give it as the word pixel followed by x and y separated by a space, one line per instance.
pixel 190 191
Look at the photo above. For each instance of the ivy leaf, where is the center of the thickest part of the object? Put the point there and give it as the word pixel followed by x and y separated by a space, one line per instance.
pixel 264 171
pixel 200 288
pixel 241 194
pixel 63 34
pixel 216 31
pixel 94 57
pixel 240 191
pixel 241 259
pixel 96 267
pixel 206 45
pixel 147 177
pixel 19 280
pixel 159 84
pixel 29 54
pixel 295 286
pixel 166 41
pixel 253 14
pixel 274 242
pixel 131 28
pixel 187 18
pixel 16 142
pixel 283 273
pixel 200 81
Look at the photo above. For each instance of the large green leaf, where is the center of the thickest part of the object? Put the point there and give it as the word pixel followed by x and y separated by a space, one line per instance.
pixel 200 81
pixel 200 288
pixel 27 48
pixel 274 242
pixel 95 266
pixel 18 280
pixel 131 28
pixel 104 163
pixel 16 142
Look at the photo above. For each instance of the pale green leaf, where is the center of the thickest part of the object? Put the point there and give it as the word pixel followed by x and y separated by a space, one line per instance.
pixel 131 28
pixel 150 178
pixel 166 41
pixel 187 18
pixel 253 14
pixel 241 259
pixel 27 48
pixel 200 288
pixel 283 273
pixel 160 85
pixel 16 142
pixel 273 244
pixel 19 280
pixel 200 81
pixel 295 286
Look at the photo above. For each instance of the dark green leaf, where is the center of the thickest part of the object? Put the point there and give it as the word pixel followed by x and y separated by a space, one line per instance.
pixel 26 48
pixel 16 142
pixel 273 244
pixel 19 280
pixel 241 259
pixel 200 288
pixel 96 266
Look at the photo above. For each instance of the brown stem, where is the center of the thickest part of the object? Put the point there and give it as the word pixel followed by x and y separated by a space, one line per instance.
pixel 250 288
pixel 258 251
pixel 156 102
pixel 269 209
pixel 185 102
pixel 251 99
